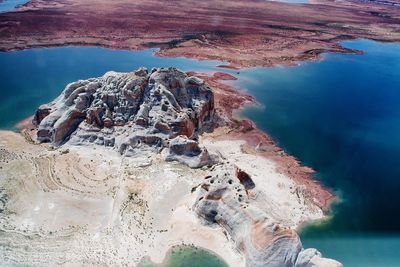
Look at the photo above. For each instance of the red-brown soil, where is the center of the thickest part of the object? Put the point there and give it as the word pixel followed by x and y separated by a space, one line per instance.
pixel 243 33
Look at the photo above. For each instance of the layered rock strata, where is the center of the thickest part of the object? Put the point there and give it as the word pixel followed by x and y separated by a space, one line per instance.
pixel 225 198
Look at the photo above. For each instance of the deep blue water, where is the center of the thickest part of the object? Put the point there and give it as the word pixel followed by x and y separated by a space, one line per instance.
pixel 10 5
pixel 340 116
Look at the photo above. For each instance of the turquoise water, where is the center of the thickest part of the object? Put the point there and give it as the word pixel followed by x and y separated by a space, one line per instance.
pixel 359 250
pixel 188 257
pixel 36 76
pixel 10 5
pixel 341 116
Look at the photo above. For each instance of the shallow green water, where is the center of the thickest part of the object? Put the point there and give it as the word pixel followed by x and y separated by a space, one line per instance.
pixel 188 257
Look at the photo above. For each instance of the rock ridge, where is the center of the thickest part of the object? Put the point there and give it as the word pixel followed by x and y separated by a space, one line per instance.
pixel 224 198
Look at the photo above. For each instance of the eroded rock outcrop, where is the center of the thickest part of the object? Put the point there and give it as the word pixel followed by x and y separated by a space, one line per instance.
pixel 133 112
pixel 142 114
pixel 223 199
pixel 188 151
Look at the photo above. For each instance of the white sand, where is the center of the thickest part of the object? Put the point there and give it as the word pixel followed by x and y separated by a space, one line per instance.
pixel 91 206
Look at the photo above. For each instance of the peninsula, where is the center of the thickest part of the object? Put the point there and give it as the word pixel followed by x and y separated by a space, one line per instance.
pixel 123 167
pixel 135 163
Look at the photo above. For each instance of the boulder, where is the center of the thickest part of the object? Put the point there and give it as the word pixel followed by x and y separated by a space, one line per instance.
pixel 187 151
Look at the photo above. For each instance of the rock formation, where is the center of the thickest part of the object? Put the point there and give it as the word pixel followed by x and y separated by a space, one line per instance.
pixel 187 151
pixel 132 112
pixel 143 114
pixel 224 199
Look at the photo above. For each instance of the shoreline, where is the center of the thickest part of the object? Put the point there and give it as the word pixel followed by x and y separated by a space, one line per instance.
pixel 259 142
pixel 294 62
pixel 113 190
pixel 263 38
pixel 168 255
pixel 252 144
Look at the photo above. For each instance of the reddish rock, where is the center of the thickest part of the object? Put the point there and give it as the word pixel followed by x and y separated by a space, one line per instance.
pixel 40 114
pixel 244 179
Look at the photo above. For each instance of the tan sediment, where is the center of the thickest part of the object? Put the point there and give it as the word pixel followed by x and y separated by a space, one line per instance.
pixel 25 124
pixel 73 206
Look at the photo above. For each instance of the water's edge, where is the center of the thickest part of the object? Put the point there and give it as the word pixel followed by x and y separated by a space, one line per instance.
pixel 46 82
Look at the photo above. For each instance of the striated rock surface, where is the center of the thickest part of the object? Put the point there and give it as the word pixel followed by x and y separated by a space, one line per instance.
pixel 132 112
pixel 224 199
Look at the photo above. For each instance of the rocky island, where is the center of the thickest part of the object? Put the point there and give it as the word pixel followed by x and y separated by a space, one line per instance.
pixel 134 163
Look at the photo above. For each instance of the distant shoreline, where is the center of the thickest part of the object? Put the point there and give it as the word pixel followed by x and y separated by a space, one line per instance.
pixel 258 37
